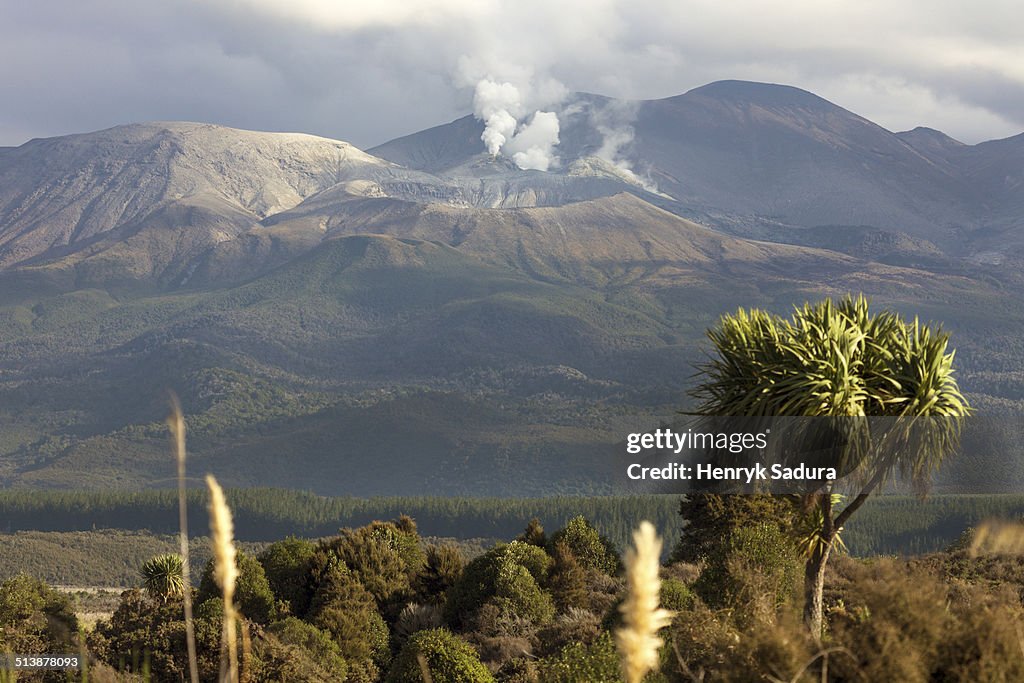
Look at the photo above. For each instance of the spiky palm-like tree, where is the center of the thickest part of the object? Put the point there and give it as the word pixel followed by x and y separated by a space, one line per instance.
pixel 838 360
pixel 163 577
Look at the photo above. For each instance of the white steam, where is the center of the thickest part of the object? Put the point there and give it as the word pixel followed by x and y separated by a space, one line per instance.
pixel 529 144
pixel 614 122
pixel 498 106
pixel 533 147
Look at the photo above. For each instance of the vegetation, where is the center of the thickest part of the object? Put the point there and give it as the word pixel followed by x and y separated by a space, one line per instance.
pixel 447 658
pixel 885 525
pixel 163 577
pixel 839 361
pixel 378 347
pixel 523 612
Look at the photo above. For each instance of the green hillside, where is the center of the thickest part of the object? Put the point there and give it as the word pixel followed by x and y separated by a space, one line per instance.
pixel 375 364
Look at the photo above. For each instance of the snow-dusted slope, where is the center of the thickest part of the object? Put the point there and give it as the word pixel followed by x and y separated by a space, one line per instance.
pixel 69 190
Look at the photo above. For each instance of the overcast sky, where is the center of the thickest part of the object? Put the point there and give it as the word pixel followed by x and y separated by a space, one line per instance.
pixel 369 71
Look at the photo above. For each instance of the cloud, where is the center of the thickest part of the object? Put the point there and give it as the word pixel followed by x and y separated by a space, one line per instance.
pixel 368 72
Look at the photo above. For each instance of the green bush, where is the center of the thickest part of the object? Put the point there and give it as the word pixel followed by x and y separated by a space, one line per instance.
pixel 287 565
pixel 711 519
pixel 253 596
pixel 592 550
pixel 274 661
pixel 302 652
pixel 143 633
pixel 382 556
pixel 676 596
pixel 578 663
pixel 448 658
pixel 34 618
pixel 518 596
pixel 444 566
pixel 347 611
pixel 756 568
pixel 522 568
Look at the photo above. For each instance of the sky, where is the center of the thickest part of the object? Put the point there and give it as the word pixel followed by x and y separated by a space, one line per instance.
pixel 367 72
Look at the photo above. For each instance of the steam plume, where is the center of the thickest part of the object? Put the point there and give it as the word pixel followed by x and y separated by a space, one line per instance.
pixel 500 106
pixel 533 146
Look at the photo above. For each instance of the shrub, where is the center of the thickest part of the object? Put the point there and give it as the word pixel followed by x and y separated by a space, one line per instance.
pixel 894 619
pixel 34 618
pixel 306 653
pixel 757 568
pixel 519 670
pixel 534 534
pixel 144 633
pixel 449 660
pixel 345 609
pixel 382 556
pixel 444 566
pixel 287 565
pixel 253 596
pixel 568 580
pixel 579 663
pixel 711 519
pixel 592 550
pixel 274 661
pixel 985 645
pixel 517 594
pixel 574 626
pixel 518 568
pixel 676 596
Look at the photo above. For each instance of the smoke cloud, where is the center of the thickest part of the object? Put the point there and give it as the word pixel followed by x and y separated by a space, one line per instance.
pixel 614 122
pixel 530 144
pixel 498 106
pixel 533 146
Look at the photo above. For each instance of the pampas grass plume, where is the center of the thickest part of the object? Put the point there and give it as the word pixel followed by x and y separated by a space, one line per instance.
pixel 225 572
pixel 997 537
pixel 638 639
pixel 176 423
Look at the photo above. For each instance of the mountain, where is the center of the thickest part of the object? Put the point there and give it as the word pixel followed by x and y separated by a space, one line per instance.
pixel 768 161
pixel 210 183
pixel 422 316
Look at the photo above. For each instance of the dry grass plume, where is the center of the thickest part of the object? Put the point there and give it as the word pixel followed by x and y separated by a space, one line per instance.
pixel 225 572
pixel 638 639
pixel 176 422
pixel 997 537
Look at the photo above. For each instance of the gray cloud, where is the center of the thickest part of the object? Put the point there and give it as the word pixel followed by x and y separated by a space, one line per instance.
pixel 366 74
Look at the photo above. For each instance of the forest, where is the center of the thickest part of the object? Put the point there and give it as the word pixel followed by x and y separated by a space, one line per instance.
pixel 54 534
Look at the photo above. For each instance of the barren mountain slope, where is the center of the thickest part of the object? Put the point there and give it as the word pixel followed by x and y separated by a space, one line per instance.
pixel 68 190
pixel 760 159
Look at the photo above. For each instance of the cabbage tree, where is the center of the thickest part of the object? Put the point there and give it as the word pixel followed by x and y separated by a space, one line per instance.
pixel 838 360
